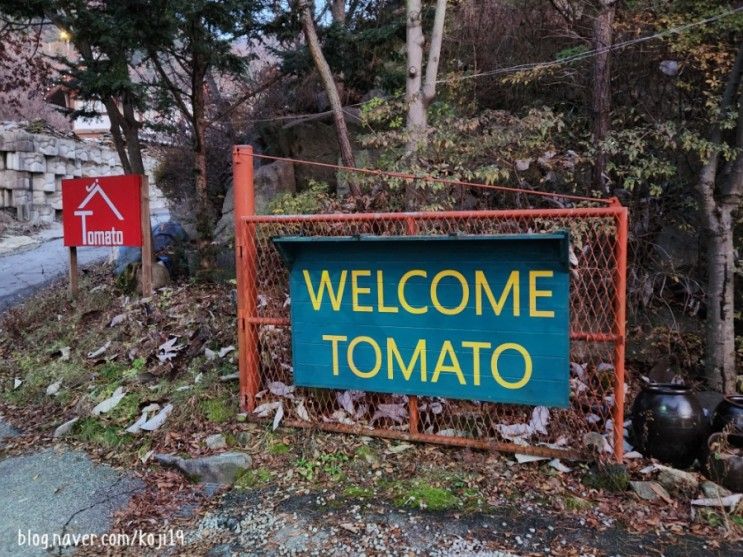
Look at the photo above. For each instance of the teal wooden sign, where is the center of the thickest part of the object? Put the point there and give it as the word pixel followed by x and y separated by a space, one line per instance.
pixel 467 317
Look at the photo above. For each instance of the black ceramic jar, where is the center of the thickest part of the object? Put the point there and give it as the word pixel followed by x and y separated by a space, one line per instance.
pixel 668 423
pixel 729 411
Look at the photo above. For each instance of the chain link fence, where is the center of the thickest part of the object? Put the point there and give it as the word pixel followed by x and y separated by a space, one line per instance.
pixel 598 244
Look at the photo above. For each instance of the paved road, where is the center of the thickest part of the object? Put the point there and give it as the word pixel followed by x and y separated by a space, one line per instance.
pixel 25 271
pixel 57 491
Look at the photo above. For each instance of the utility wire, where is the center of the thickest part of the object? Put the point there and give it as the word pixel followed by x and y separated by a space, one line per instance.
pixel 597 51
pixel 435 179
pixel 531 65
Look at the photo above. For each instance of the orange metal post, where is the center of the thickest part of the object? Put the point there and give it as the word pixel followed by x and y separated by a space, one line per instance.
pixel 245 264
pixel 620 311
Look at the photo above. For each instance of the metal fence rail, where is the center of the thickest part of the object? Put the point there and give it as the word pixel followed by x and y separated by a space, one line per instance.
pixel 597 330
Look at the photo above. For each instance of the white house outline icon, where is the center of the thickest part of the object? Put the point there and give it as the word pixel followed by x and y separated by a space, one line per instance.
pixel 93 189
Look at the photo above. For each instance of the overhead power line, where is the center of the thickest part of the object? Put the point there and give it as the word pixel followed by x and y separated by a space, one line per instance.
pixel 597 51
pixel 537 65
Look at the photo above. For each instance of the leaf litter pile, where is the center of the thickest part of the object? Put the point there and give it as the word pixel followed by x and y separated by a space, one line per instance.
pixel 124 378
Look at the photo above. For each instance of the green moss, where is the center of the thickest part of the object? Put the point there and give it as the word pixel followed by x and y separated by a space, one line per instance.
pixel 278 448
pixel 366 453
pixel 253 478
pixel 357 492
pixel 112 372
pixel 138 364
pixel 576 503
pixel 426 496
pixel 612 477
pixel 218 410
pixel 93 431
pixel 711 517
pixel 127 410
pixel 37 374
pixel 231 440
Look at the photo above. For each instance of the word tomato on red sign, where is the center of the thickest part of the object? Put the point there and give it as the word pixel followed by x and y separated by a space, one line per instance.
pixel 102 211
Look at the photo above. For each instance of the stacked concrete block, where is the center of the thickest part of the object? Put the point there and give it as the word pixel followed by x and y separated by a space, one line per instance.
pixel 94 155
pixel 38 197
pixel 56 165
pixel 19 198
pixel 26 161
pixel 66 148
pixel 44 182
pixel 46 145
pixel 74 168
pixel 32 167
pixel 15 180
pixel 55 200
pixel 16 140
pixel 82 152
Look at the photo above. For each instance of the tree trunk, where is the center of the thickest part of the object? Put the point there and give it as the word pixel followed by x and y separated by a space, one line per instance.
pixel 338 11
pixel 434 53
pixel 116 133
pixel 720 321
pixel 326 76
pixel 602 40
pixel 718 206
pixel 420 91
pixel 204 211
pixel 131 132
pixel 417 121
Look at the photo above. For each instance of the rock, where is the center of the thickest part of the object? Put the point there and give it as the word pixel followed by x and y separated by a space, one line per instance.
pixel 228 206
pixel 730 501
pixel 160 275
pixel 65 428
pixel 53 389
pixel 678 482
pixel 713 491
pixel 218 469
pixel 6 431
pixel 650 491
pixel 15 180
pixel 669 67
pixel 375 93
pixel 216 441
pixel 596 442
pixel 224 231
pixel 244 438
pixel 272 180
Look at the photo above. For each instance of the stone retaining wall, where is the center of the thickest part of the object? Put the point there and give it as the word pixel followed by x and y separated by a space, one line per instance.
pixel 33 165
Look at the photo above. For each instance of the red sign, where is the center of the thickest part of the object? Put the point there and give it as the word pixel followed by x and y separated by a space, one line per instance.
pixel 103 211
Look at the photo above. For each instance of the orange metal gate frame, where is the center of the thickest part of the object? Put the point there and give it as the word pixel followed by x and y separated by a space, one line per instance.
pixel 249 320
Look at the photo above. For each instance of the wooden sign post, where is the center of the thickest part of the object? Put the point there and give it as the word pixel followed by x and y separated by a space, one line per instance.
pixel 144 197
pixel 107 211
pixel 73 270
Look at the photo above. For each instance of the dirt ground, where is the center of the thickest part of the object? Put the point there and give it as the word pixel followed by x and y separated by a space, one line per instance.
pixel 307 492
